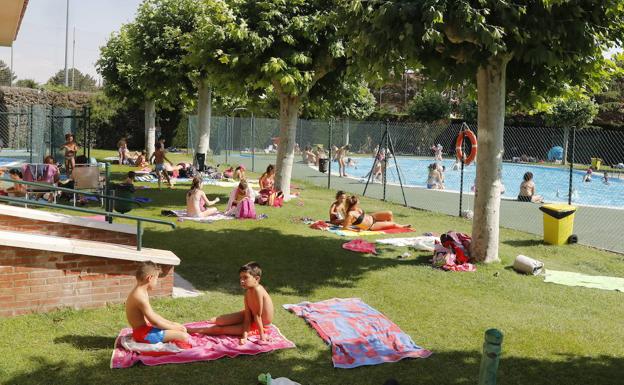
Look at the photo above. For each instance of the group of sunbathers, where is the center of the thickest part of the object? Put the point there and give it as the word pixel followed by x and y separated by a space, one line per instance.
pixel 151 328
pixel 346 212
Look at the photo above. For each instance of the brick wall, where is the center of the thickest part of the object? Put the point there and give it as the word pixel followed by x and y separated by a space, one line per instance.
pixel 11 223
pixel 33 281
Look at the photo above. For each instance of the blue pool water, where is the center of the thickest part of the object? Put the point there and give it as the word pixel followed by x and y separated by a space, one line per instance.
pixel 551 183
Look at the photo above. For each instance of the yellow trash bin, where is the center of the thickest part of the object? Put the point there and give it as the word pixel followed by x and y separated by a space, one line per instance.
pixel 558 223
pixel 596 163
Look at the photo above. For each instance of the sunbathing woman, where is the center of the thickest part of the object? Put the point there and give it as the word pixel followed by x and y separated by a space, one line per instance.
pixel 241 193
pixel 267 182
pixel 239 172
pixel 197 201
pixel 382 220
pixel 337 211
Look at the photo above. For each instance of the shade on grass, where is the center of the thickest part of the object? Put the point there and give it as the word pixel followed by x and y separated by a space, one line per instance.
pixel 553 334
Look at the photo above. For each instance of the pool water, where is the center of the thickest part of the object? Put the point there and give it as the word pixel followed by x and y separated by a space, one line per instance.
pixel 551 182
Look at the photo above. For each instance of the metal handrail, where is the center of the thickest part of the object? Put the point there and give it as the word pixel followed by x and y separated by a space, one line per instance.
pixel 140 220
pixel 69 190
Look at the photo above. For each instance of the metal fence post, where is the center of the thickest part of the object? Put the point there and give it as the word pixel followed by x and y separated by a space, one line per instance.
pixel 107 202
pixel 571 152
pixel 30 131
pixel 492 347
pixel 329 151
pixel 253 143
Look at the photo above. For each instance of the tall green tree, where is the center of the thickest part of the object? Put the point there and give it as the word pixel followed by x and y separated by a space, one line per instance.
pixel 530 47
pixel 289 46
pixel 6 77
pixel 77 80
pixel 217 34
pixel 145 59
pixel 27 83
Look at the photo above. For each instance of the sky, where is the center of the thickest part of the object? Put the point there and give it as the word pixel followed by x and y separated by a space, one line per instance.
pixel 38 52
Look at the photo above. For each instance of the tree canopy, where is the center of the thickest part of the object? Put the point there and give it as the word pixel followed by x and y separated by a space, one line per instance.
pixel 77 80
pixel 5 74
pixel 525 48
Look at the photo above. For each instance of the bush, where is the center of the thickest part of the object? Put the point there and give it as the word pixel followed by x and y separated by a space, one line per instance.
pixel 572 112
pixel 468 110
pixel 429 106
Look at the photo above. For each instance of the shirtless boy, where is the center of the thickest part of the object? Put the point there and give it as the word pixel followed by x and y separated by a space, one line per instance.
pixel 159 159
pixel 147 326
pixel 258 312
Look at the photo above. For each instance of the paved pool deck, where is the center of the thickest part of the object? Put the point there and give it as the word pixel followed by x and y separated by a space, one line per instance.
pixel 598 227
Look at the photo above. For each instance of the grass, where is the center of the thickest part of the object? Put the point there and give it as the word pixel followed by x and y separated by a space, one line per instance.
pixel 553 334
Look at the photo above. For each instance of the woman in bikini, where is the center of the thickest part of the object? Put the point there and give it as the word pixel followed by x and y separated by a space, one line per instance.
pixel 196 201
pixel 71 149
pixel 382 220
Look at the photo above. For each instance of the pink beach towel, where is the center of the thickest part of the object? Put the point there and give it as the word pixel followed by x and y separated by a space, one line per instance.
pixel 359 335
pixel 360 246
pixel 204 348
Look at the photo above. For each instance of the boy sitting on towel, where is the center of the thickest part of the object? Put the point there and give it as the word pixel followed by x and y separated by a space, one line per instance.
pixel 147 326
pixel 258 312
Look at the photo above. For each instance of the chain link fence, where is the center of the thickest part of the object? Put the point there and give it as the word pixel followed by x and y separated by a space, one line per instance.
pixel 558 158
pixel 29 133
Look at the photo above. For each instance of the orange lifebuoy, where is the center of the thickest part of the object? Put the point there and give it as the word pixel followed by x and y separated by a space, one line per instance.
pixel 473 146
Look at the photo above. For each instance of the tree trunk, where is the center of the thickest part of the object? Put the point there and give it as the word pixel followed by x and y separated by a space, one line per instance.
pixel 289 112
pixel 491 123
pixel 204 112
pixel 566 140
pixel 150 126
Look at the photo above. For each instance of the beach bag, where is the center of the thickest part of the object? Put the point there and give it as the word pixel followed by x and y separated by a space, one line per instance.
pixel 458 244
pixel 442 256
pixel 527 265
pixel 246 209
pixel 276 199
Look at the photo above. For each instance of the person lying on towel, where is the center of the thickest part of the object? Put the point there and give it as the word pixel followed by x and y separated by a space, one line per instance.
pixel 147 326
pixel 382 220
pixel 254 318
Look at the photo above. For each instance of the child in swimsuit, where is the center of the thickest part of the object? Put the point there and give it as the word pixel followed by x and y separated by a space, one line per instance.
pixel 147 326
pixel 337 209
pixel 257 314
pixel 196 200
pixel 71 149
pixel 122 147
pixel 159 159
pixel 527 190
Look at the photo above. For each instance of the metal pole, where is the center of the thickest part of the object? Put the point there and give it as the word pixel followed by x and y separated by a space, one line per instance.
pixel 571 152
pixel 385 161
pixel 73 58
pixel 461 175
pixel 30 131
pixel 66 43
pixel 396 165
pixel 227 130
pixel 11 73
pixel 375 160
pixel 107 201
pixel 492 347
pixel 329 156
pixel 253 142
pixel 139 235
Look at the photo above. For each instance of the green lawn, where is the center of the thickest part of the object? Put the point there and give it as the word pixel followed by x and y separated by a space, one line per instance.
pixel 553 334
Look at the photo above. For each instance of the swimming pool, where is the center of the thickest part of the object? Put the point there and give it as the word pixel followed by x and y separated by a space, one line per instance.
pixel 551 182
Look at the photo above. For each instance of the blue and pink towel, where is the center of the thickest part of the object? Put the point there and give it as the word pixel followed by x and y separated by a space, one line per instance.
pixel 359 335
pixel 203 348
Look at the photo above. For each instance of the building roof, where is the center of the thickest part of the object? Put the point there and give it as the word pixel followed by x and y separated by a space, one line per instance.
pixel 11 15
